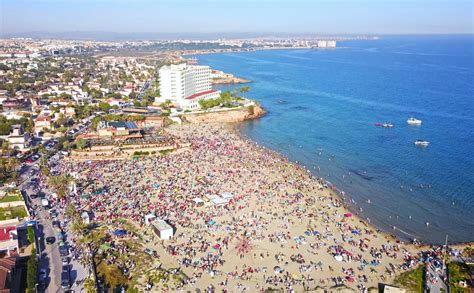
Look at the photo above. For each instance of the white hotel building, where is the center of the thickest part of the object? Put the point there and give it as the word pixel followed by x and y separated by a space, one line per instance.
pixel 186 85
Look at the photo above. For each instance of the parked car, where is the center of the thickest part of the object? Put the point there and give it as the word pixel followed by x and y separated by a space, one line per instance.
pixel 65 280
pixel 50 240
pixel 65 261
pixel 43 274
pixel 63 250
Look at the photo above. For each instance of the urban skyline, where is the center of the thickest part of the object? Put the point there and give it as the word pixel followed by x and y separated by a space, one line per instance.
pixel 231 18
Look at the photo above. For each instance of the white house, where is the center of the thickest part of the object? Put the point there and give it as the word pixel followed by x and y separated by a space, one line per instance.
pixel 18 139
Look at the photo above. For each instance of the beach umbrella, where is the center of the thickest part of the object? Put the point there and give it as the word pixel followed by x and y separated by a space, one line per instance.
pixel 119 233
pixel 348 215
pixel 338 257
pixel 315 232
pixel 307 233
pixel 277 269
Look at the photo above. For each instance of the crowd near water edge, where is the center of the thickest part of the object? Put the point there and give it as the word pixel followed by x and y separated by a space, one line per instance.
pixel 323 107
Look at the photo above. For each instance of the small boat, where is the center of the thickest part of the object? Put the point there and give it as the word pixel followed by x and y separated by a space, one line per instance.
pixel 420 142
pixel 414 121
pixel 387 125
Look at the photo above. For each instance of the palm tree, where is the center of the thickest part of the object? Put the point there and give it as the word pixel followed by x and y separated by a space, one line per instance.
pixel 59 184
pixel 244 89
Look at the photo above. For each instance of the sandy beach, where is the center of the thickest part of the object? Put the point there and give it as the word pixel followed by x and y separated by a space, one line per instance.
pixel 283 229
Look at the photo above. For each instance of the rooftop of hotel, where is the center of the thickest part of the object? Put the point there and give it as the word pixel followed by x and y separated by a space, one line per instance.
pixel 192 97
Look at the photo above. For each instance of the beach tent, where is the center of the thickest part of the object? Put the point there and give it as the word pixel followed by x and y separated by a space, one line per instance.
pixel 210 196
pixel 149 217
pixel 85 217
pixel 227 195
pixel 198 201
pixel 217 201
pixel 348 215
pixel 120 233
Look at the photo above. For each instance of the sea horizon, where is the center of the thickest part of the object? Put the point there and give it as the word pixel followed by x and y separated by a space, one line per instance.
pixel 343 93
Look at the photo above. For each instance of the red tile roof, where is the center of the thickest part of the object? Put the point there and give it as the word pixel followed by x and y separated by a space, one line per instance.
pixel 5 233
pixel 191 97
pixel 43 118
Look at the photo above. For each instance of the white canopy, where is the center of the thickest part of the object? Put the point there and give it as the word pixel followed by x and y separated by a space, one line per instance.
pixel 198 200
pixel 227 195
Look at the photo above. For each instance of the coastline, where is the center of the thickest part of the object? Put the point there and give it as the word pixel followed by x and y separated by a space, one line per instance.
pixel 340 194
pixel 403 228
pixel 334 192
pixel 233 80
pixel 291 220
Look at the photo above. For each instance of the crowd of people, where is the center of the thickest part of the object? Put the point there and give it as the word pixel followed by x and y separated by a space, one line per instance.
pixel 283 227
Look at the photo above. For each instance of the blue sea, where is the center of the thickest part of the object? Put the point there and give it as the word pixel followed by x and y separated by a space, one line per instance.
pixel 322 108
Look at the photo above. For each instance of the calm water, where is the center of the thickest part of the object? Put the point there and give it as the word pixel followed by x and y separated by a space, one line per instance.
pixel 322 106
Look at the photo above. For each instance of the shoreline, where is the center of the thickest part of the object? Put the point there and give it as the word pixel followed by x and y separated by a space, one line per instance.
pixel 333 192
pixel 400 234
pixel 337 192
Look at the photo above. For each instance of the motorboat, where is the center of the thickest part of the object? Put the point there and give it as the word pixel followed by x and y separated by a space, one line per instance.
pixel 420 142
pixel 387 125
pixel 414 121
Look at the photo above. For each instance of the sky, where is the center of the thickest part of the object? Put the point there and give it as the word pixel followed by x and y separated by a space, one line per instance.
pixel 333 17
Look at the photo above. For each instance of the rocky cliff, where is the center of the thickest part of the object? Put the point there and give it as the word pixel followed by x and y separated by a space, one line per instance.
pixel 234 115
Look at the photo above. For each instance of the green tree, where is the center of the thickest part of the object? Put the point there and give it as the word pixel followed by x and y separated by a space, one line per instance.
pixel 59 184
pixel 31 235
pixel 89 285
pixel 111 274
pixel 81 143
pixel 31 272
pixel 104 107
pixel 62 120
pixel 5 128
pixel 244 89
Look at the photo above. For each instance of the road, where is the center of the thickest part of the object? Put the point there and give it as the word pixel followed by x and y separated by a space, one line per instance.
pixel 144 89
pixel 50 258
pixel 435 277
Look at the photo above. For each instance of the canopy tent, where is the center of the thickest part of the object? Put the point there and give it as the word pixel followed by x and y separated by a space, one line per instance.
pixel 149 218
pixel 198 200
pixel 210 196
pixel 227 195
pixel 219 201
